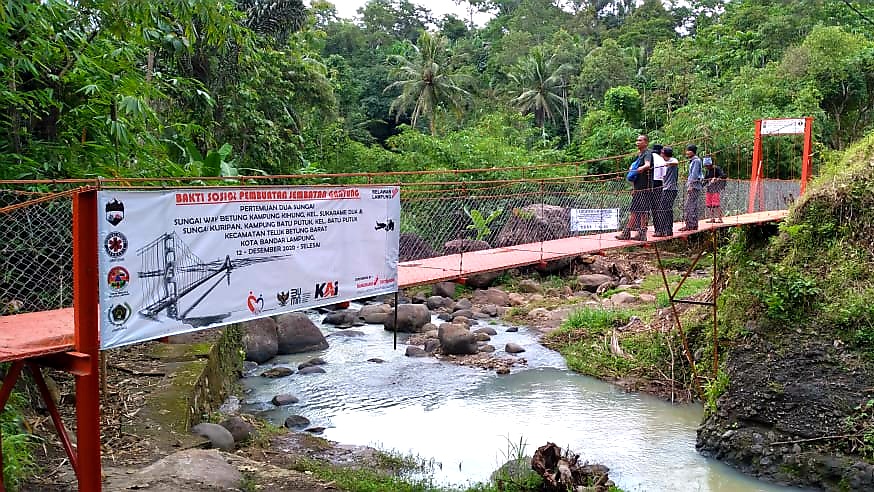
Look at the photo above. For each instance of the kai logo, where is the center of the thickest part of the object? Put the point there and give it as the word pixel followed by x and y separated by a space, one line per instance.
pixel 327 289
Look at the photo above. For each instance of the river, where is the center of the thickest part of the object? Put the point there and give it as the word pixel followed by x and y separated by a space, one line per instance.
pixel 469 420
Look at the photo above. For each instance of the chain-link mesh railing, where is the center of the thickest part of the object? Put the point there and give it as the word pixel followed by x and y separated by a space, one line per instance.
pixel 437 219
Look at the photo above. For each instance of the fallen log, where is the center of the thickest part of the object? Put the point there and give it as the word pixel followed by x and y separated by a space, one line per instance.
pixel 562 472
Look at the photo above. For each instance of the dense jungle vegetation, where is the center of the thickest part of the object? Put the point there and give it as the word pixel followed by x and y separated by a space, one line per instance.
pixel 222 87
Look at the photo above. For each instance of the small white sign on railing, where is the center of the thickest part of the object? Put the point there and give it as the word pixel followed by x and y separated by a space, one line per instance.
pixel 594 219
pixel 784 126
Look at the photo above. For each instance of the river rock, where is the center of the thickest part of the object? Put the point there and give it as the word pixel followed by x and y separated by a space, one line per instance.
pixel 190 469
pixel 239 428
pixel 591 282
pixel 489 310
pixel 437 302
pixel 284 399
pixel 481 337
pixel 375 360
pixel 314 430
pixel 374 314
pixel 431 346
pixel 513 348
pixel 277 372
pixel 413 351
pixel 297 334
pixel 516 299
pixel 647 298
pixel 260 340
pixel 623 299
pixel 342 317
pixel 418 298
pixel 444 289
pixel 530 286
pixel 311 370
pixel 486 348
pixel 487 330
pixel 491 296
pixel 512 329
pixel 413 247
pixel 315 361
pixel 218 436
pixel 456 339
pixel 462 313
pixel 296 422
pixel 411 318
pixel 444 316
pixel 482 280
pixel 463 304
pixel 534 223
pixel 457 246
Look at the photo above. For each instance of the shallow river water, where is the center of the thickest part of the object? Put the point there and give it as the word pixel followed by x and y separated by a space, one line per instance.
pixel 469 420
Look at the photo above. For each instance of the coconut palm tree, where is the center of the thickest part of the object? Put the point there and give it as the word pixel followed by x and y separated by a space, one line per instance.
pixel 543 83
pixel 424 81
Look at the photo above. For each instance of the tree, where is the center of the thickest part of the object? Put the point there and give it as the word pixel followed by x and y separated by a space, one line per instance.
pixel 425 81
pixel 543 84
pixel 604 67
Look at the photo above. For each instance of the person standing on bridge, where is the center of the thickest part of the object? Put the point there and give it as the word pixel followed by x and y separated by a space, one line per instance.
pixel 665 226
pixel 714 179
pixel 694 183
pixel 641 195
pixel 658 175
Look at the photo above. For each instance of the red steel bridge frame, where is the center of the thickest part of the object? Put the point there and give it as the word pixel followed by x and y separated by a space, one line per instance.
pixel 79 356
pixel 779 126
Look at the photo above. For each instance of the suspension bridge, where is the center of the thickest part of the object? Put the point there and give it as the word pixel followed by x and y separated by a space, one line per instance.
pixel 48 291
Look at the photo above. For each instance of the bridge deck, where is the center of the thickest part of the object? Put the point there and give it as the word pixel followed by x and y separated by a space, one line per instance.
pixel 23 336
pixel 431 270
pixel 29 335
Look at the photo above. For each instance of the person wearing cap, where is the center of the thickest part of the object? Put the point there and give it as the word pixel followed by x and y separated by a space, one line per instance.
pixel 641 201
pixel 658 174
pixel 714 183
pixel 665 226
pixel 694 183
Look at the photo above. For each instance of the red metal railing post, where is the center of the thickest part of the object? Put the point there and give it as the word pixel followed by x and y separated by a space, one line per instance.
pixel 756 175
pixel 87 317
pixel 808 150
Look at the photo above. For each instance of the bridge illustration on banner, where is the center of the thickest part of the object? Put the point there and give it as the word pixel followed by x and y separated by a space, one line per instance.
pixel 171 271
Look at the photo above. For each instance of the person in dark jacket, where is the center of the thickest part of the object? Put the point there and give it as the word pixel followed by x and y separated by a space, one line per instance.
pixel 641 196
pixel 714 183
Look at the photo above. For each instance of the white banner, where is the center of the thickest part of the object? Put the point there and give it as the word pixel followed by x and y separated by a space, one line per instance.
pixel 594 219
pixel 784 126
pixel 176 261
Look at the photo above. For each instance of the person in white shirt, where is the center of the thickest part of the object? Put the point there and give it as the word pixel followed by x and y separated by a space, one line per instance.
pixel 658 175
pixel 669 194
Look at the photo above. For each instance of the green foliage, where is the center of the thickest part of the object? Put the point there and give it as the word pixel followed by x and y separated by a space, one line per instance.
pixel 790 293
pixel 861 425
pixel 480 224
pixel 623 101
pixel 713 389
pixel 18 445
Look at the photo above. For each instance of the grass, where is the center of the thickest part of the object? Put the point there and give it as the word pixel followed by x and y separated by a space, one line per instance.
pixel 18 445
pixel 584 341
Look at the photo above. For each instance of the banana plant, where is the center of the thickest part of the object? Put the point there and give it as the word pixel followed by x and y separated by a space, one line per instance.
pixel 480 223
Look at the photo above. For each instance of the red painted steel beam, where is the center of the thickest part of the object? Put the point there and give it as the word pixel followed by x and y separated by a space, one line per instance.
pixel 9 381
pixel 54 414
pixel 756 176
pixel 806 166
pixel 87 317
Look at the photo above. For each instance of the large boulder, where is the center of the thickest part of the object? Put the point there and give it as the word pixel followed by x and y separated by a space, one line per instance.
pixel 218 436
pixel 464 246
pixel 456 339
pixel 491 296
pixel 444 289
pixel 412 247
pixel 297 333
pixel 592 281
pixel 411 318
pixel 534 223
pixel 341 318
pixel 260 340
pixel 436 302
pixel 375 314
pixel 482 280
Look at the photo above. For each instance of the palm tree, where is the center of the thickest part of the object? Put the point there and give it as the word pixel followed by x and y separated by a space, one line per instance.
pixel 425 84
pixel 543 83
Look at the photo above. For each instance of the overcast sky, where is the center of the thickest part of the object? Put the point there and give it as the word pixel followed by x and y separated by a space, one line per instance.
pixel 347 9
